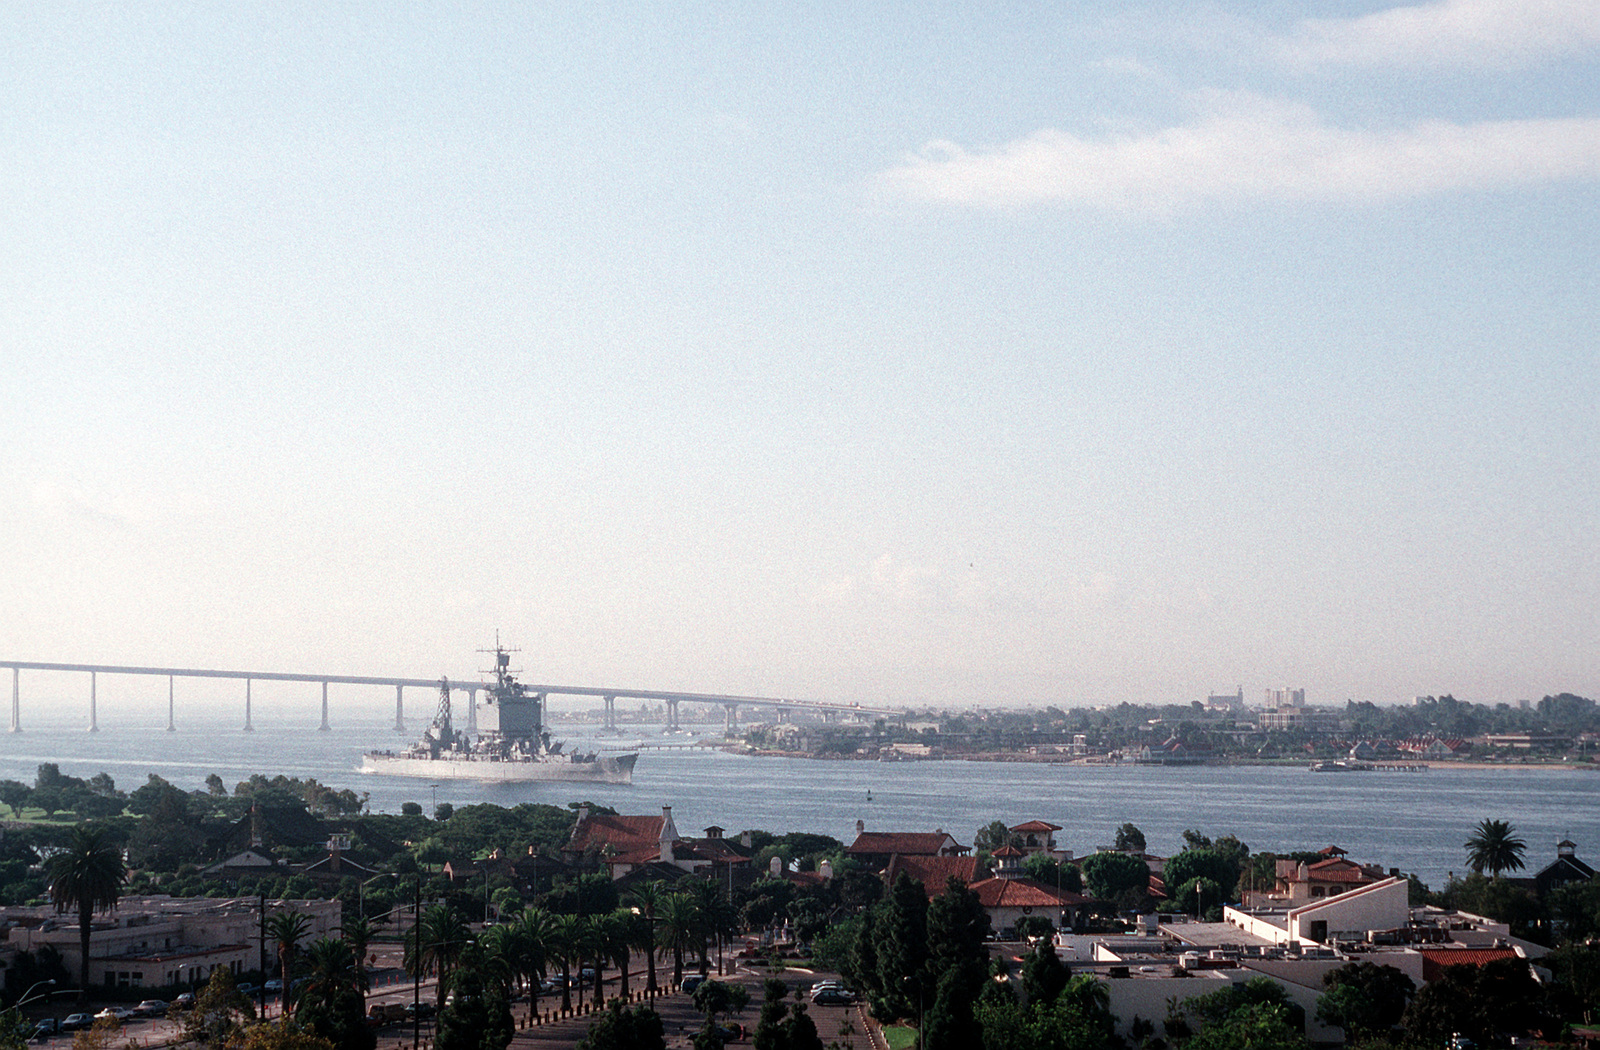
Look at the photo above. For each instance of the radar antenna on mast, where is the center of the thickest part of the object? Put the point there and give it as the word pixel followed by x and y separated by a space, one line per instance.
pixel 442 719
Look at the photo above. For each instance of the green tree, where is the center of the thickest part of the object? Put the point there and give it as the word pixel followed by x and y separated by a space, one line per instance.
pixel 647 897
pixel 330 1003
pixel 1495 847
pixel 719 999
pixel 86 877
pixel 1257 1026
pixel 1220 866
pixel 1043 976
pixel 286 929
pixel 1577 972
pixel 477 1014
pixel 1364 999
pixel 1046 869
pixel 218 1015
pixel 678 924
pixel 903 948
pixel 284 1034
pixel 443 937
pixel 993 836
pixel 619 1029
pixel 1480 1002
pixel 1116 877
pixel 1130 839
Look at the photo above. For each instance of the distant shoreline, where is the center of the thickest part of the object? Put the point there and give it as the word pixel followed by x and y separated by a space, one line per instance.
pixel 1066 760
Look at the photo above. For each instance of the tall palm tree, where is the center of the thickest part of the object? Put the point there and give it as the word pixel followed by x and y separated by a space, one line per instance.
pixel 647 899
pixel 588 948
pixel 1494 845
pixel 566 941
pixel 331 971
pixel 287 929
pixel 679 916
pixel 357 933
pixel 87 877
pixel 622 936
pixel 442 936
pixel 530 940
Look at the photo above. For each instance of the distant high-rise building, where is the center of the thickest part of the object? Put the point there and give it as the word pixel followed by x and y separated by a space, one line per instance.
pixel 1277 698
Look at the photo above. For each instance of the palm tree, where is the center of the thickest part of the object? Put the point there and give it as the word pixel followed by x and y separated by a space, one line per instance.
pixel 1494 845
pixel 87 877
pixel 529 941
pixel 331 971
pixel 442 936
pixel 647 899
pixel 623 932
pixel 287 929
pixel 566 941
pixel 357 933
pixel 680 924
pixel 588 947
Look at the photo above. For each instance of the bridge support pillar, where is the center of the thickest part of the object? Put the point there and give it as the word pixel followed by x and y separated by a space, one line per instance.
pixel 672 716
pixel 172 726
pixel 472 710
pixel 732 728
pixel 611 713
pixel 248 728
pixel 324 726
pixel 94 722
pixel 399 709
pixel 16 699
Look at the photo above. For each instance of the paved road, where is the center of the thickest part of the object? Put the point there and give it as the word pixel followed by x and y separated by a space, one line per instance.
pixel 681 1020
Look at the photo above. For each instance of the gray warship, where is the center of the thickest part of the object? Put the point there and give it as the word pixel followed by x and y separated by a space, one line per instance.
pixel 512 743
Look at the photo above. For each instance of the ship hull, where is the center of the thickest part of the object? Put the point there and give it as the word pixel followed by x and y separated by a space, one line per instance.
pixel 605 769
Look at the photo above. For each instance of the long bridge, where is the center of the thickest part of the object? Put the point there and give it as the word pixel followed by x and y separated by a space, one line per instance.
pixel 608 696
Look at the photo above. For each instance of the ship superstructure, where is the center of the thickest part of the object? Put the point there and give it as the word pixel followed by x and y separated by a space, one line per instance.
pixel 513 742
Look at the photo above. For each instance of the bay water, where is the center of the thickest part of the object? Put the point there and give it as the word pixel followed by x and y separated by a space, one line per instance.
pixel 1417 822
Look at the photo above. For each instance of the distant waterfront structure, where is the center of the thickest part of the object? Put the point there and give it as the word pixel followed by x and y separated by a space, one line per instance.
pixel 1226 701
pixel 1280 698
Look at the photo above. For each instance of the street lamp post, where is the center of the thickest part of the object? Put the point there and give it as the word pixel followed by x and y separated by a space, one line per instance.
pixel 416 970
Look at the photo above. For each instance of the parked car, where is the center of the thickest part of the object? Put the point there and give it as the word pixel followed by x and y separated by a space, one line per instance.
pixel 274 985
pixel 114 1013
pixel 245 988
pixel 46 1027
pixel 380 1014
pixel 183 1001
pixel 690 984
pixel 150 1008
pixel 420 1011
pixel 74 1022
pixel 834 997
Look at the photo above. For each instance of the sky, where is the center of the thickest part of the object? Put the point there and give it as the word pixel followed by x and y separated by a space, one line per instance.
pixel 1005 353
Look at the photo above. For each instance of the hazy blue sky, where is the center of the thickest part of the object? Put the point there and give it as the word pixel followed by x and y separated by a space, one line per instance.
pixel 891 352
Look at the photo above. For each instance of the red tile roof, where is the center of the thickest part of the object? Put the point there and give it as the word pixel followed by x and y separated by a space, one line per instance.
pixel 1035 825
pixel 932 872
pixel 1024 893
pixel 905 843
pixel 1436 960
pixel 622 834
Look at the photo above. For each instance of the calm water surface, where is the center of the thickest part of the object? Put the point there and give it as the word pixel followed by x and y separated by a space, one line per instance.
pixel 1414 821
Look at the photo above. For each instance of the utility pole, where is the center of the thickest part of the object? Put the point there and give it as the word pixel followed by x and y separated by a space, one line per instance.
pixel 416 969
pixel 261 992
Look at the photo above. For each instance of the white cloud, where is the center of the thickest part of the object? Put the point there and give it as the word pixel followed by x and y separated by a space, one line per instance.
pixel 1252 149
pixel 1477 33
